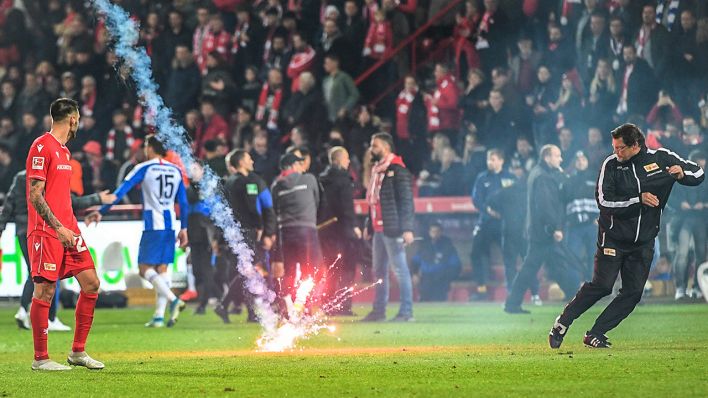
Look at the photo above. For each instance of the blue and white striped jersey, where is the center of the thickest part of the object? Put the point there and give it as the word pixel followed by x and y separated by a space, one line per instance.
pixel 162 186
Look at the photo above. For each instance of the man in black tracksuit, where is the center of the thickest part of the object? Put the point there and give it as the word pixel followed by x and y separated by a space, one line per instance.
pixel 544 226
pixel 251 201
pixel 339 237
pixel 632 190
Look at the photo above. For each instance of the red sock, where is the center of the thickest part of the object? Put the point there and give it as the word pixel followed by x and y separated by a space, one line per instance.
pixel 84 317
pixel 39 315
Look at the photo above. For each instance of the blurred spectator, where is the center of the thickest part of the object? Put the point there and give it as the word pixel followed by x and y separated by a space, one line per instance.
pixel 581 212
pixel 247 35
pixel 568 105
pixel 8 168
pixel 271 99
pixel 487 231
pixel 474 98
pixel 594 46
pixel 334 45
pixel 492 36
pixel 339 239
pixel 544 224
pixel 88 96
pixel 638 85
pixel 693 138
pixel 567 144
pixel 353 26
pixel 437 264
pixel 664 111
pixel 499 126
pixel 212 126
pixel 595 151
pixel 411 124
pixel 443 111
pixel 175 35
pixel 558 55
pixel 215 39
pixel 242 131
pixel 303 60
pixel 429 179
pixel 265 159
pixel 524 65
pixel 451 173
pixel 691 210
pixel 525 155
pixel 652 42
pixel 603 97
pixel 119 139
pixel 250 88
pixel 617 41
pixel 686 59
pixel 215 156
pixel 183 82
pixel 508 205
pixel 217 85
pixel 306 108
pixel 279 53
pixel 8 106
pixel 33 98
pixel 100 173
pixel 30 131
pixel 340 93
pixel 199 36
pixel 8 134
pixel 69 88
pixel 365 126
pixel 474 159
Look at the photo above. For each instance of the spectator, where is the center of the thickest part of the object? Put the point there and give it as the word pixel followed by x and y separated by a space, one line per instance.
pixel 215 156
pixel 390 202
pixel 617 41
pixel 119 139
pixel 443 111
pixel 100 173
pixel 306 108
pixel 691 209
pixel 340 93
pixel 411 124
pixel 638 85
pixel 242 131
pixel 271 99
pixel 215 39
pixel 567 144
pixel 137 156
pixel 487 230
pixel 692 136
pixel 8 105
pixel 176 34
pixel 201 31
pixel 498 127
pixel 8 168
pixel 524 65
pixel 247 35
pixel 333 43
pixel 88 97
pixel 545 231
pixel 686 60
pixel 30 131
pixel 33 98
pixel 474 98
pixel 296 213
pixel 213 126
pixel 339 238
pixel 568 105
pixel 664 111
pixel 492 36
pixel 595 150
pixel 303 60
pixel 69 88
pixel 365 126
pixel 604 92
pixel 451 173
pixel 474 159
pixel 594 46
pixel 217 85
pixel 437 264
pixel 183 82
pixel 353 26
pixel 652 42
pixel 429 179
pixel 251 88
pixel 379 39
pixel 265 159
pixel 278 56
pixel 581 211
pixel 558 55
pixel 524 155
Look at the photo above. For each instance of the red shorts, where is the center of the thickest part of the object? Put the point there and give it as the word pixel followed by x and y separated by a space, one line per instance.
pixel 51 261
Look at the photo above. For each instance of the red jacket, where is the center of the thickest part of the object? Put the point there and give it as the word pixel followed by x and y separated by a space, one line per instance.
pixel 445 114
pixel 219 42
pixel 215 128
pixel 379 40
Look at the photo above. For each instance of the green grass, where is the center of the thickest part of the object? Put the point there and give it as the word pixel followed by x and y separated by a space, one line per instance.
pixel 452 350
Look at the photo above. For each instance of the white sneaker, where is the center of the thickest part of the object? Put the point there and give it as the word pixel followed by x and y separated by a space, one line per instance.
pixel 694 293
pixel 680 293
pixel 83 359
pixel 176 307
pixel 155 323
pixel 58 326
pixel 536 300
pixel 48 365
pixel 23 320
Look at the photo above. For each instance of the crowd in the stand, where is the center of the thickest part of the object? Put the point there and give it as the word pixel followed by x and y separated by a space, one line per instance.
pixel 494 81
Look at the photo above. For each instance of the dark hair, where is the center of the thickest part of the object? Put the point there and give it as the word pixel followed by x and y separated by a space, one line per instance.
pixel 629 133
pixel 236 156
pixel 63 108
pixel 333 57
pixel 152 141
pixel 213 144
pixel 387 138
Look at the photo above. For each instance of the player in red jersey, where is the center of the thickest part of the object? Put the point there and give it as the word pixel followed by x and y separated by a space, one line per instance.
pixel 57 250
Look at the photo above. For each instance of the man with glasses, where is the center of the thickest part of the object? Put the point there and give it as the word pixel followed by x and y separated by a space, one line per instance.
pixel 632 190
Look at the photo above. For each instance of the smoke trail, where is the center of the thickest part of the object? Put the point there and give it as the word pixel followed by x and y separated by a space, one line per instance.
pixel 125 32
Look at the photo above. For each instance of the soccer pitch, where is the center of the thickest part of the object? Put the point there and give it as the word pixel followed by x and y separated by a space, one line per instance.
pixel 452 350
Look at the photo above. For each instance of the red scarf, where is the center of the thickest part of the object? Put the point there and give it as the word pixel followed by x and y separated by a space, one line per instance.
pixel 378 173
pixel 403 109
pixel 273 106
pixel 111 141
pixel 302 61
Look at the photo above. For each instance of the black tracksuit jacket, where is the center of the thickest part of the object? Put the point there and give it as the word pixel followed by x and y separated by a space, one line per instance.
pixel 624 221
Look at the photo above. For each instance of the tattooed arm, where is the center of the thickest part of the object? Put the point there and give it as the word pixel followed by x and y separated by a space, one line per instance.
pixel 36 197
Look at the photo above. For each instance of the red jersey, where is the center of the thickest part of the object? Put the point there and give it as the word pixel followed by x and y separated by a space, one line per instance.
pixel 48 160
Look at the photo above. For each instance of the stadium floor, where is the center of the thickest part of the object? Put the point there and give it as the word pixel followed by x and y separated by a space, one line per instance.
pixel 452 350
